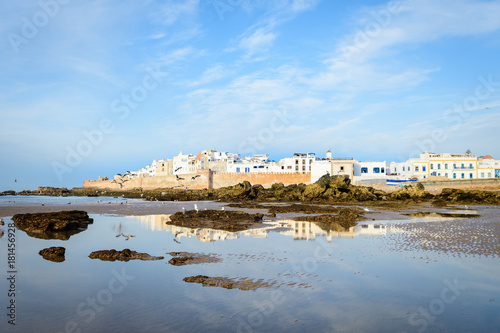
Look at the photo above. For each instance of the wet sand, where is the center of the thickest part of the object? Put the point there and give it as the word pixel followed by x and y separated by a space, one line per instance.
pixel 114 207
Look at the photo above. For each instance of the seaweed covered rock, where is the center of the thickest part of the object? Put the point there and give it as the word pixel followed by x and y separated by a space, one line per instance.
pixel 216 219
pixel 124 255
pixel 409 192
pixel 185 258
pixel 55 253
pixel 469 196
pixel 58 225
pixel 346 218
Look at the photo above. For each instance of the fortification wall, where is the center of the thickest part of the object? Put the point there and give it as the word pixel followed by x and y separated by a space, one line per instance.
pixel 201 180
pixel 193 181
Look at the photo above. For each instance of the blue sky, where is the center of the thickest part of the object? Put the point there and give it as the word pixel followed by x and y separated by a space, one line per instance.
pixel 101 87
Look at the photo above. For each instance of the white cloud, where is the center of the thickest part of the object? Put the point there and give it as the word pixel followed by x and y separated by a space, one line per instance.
pixel 173 10
pixel 258 41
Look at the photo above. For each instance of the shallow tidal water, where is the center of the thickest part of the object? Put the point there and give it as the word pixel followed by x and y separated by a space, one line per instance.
pixel 400 275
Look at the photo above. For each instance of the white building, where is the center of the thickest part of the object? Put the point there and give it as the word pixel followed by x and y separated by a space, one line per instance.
pixel 183 164
pixel 367 172
pixel 487 167
pixel 334 166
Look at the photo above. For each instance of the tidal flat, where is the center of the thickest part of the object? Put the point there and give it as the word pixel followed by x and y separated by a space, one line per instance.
pixel 417 269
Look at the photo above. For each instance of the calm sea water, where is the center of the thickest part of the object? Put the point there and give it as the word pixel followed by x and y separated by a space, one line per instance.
pixel 408 275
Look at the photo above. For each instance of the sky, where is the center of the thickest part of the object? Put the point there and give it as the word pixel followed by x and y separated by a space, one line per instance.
pixel 93 88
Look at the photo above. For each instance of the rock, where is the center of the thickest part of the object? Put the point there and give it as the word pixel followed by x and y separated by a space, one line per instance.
pixel 59 225
pixel 185 258
pixel 229 283
pixel 216 219
pixel 346 218
pixel 124 255
pixel 55 254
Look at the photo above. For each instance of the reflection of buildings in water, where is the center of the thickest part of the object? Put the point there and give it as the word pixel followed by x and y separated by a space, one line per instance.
pixel 303 230
pixel 299 230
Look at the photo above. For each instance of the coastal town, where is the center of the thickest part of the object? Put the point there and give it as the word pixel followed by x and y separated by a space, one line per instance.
pixel 200 170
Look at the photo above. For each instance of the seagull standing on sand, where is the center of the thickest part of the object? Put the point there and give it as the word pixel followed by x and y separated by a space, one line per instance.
pixel 196 208
pixel 183 209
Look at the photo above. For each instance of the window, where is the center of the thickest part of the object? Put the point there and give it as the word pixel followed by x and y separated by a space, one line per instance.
pixel 489 174
pixel 341 168
pixel 463 175
pixel 303 168
pixel 439 166
pixel 282 167
pixel 310 161
pixel 470 175
pixel 297 168
pixel 364 170
pixel 446 174
pixel 454 166
pixel 303 161
pixel 289 167
pixel 454 176
pixel 376 170
pixel 463 166
pixel 432 166
pixel 439 174
pixel 296 161
pixel 423 168
pixel 416 168
pixel 470 166
pixel 237 169
pixel 403 168
pixel 482 174
pixel 446 165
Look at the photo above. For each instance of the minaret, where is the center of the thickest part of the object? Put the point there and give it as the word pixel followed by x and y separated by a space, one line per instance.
pixel 329 154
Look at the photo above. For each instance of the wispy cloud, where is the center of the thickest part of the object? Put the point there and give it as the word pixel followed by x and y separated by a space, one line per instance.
pixel 173 10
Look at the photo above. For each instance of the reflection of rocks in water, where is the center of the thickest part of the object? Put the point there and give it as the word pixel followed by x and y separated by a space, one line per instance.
pixel 60 225
pixel 1 233
pixel 185 258
pixel 451 214
pixel 231 283
pixel 294 208
pixel 476 236
pixel 216 219
pixel 55 254
pixel 124 255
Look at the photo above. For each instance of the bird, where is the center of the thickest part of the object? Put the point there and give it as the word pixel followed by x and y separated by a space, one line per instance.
pixel 466 207
pixel 222 208
pixel 15 180
pixel 178 169
pixel 487 108
pixel 193 178
pixel 175 240
pixel 43 204
pixel 178 178
pixel 120 234
pixel 69 203
pixel 183 209
pixel 128 236
pixel 196 208
pixel 366 209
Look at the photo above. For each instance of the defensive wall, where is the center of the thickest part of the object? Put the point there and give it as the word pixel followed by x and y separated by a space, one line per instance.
pixel 203 179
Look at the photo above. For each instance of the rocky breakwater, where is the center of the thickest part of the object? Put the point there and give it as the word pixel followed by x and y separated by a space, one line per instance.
pixel 55 254
pixel 216 219
pixel 326 189
pixel 58 225
pixel 124 255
